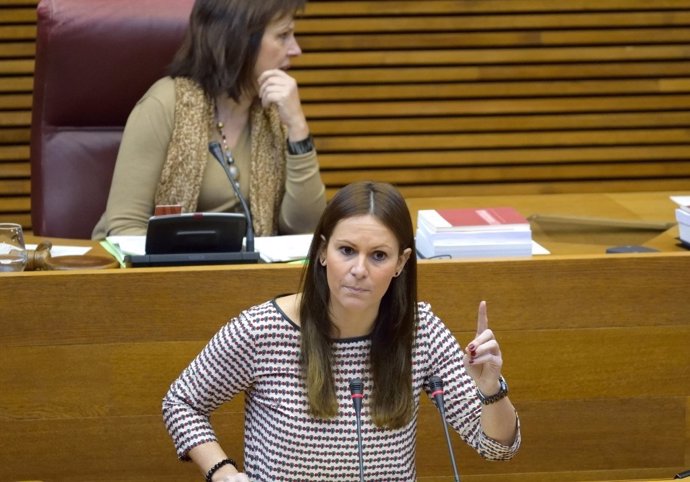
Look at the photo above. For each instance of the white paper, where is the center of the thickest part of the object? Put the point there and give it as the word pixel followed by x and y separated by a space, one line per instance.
pixel 681 200
pixel 538 249
pixel 290 247
pixel 56 251
pixel 134 245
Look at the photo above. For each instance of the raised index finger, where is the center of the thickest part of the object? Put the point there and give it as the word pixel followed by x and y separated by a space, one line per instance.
pixel 482 319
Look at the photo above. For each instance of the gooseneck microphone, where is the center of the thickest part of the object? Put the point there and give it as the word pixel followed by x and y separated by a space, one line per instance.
pixel 217 151
pixel 357 392
pixel 436 386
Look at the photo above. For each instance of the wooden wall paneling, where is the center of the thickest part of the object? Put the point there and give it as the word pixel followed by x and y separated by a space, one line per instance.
pixel 17 48
pixel 372 71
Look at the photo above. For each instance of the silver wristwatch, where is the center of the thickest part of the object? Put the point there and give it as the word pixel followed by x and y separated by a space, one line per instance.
pixel 502 392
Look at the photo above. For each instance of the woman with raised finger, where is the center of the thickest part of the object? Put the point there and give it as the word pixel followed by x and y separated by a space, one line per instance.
pixel 355 317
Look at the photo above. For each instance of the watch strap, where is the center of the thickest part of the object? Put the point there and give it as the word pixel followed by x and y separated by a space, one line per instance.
pixel 502 393
pixel 301 147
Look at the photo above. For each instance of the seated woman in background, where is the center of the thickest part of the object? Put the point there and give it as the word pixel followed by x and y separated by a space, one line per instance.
pixel 357 316
pixel 227 83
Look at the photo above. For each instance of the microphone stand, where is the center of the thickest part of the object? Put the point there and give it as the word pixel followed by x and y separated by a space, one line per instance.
pixel 357 390
pixel 436 386
pixel 217 152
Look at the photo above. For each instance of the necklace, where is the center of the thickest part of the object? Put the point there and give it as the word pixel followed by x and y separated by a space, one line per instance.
pixel 234 171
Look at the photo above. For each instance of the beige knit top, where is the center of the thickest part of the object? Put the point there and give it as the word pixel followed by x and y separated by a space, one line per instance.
pixel 142 155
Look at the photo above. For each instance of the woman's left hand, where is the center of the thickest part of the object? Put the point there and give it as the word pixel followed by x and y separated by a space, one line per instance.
pixel 277 87
pixel 483 360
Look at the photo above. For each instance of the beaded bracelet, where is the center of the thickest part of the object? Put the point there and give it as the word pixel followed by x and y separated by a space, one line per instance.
pixel 214 469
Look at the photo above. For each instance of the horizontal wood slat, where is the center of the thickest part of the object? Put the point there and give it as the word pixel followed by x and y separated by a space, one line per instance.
pixel 389 7
pixel 586 37
pixel 448 90
pixel 589 90
pixel 17 49
pixel 536 187
pixel 10 187
pixel 580 172
pixel 432 74
pixel 490 157
pixel 525 21
pixel 495 107
pixel 504 140
pixel 13 169
pixel 17 67
pixel 495 123
pixel 11 15
pixel 494 56
pixel 14 153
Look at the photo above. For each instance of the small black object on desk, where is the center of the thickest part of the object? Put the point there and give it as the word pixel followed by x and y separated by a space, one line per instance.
pixel 630 248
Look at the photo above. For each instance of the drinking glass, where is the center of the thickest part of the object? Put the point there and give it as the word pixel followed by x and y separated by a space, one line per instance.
pixel 12 250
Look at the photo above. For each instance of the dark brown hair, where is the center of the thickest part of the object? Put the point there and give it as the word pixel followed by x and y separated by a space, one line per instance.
pixel 222 43
pixel 393 332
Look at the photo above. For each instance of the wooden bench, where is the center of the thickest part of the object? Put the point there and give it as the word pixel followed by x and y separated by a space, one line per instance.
pixel 457 97
pixel 595 350
pixel 596 358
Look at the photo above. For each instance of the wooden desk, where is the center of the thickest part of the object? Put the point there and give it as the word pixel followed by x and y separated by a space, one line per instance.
pixel 639 480
pixel 595 353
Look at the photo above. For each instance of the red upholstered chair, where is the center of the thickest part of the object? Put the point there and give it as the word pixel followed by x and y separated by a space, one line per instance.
pixel 94 60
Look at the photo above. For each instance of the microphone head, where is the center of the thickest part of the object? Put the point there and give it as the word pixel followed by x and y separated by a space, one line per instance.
pixel 356 387
pixel 435 384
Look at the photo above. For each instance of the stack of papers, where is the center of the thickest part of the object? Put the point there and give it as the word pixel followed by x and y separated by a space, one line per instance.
pixel 683 218
pixel 481 232
pixel 290 247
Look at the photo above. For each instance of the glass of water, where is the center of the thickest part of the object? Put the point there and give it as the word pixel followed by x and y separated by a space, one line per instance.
pixel 13 254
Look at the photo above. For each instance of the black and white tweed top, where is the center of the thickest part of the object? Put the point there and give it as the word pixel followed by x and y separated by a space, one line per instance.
pixel 258 353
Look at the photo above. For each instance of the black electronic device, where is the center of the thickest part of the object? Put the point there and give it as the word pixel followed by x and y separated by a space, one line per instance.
pixel 194 238
pixel 195 233
pixel 630 248
pixel 201 238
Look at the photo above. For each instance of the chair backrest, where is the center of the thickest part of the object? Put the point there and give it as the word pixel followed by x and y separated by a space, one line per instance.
pixel 94 60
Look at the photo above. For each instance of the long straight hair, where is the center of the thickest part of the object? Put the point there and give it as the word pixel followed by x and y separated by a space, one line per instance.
pixel 222 43
pixel 393 332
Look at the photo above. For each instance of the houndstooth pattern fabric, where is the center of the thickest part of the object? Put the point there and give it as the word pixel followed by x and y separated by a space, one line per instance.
pixel 258 352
